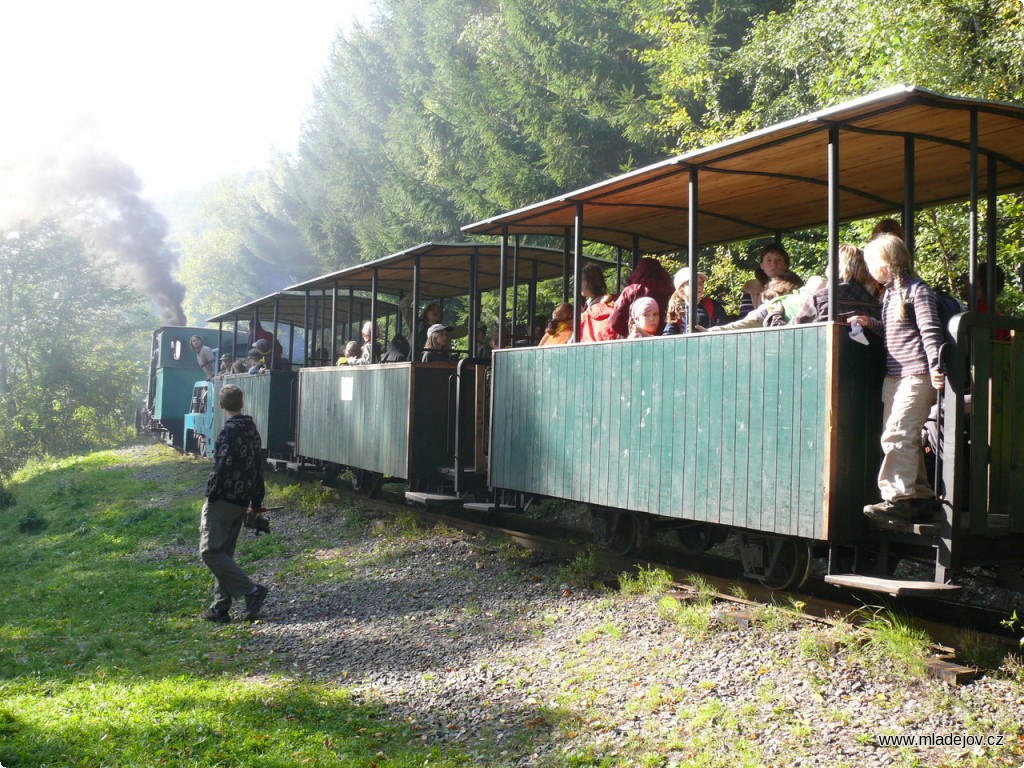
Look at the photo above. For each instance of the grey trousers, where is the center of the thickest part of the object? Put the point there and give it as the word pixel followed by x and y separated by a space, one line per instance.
pixel 219 526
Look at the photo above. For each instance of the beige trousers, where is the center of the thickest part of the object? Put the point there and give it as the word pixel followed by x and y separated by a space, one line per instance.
pixel 906 403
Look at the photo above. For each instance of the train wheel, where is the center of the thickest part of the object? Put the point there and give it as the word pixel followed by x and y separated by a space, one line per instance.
pixel 778 562
pixel 789 566
pixel 620 532
pixel 696 539
pixel 201 444
pixel 368 483
pixel 190 443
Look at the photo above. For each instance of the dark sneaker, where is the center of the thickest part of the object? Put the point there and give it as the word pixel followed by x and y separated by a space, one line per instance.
pixel 217 616
pixel 254 602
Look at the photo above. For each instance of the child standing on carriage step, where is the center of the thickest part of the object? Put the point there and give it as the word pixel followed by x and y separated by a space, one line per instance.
pixel 913 338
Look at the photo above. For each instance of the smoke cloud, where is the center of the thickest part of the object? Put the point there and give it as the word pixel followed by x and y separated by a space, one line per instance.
pixel 97 196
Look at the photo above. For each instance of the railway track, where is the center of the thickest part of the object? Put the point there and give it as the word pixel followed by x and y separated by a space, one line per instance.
pixel 945 621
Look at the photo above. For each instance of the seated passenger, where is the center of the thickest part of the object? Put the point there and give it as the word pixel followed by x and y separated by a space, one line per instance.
pixel 439 344
pixel 483 344
pixel 709 312
pixel 370 354
pixel 596 315
pixel 536 332
pixel 774 261
pixel 559 328
pixel 398 350
pixel 781 303
pixel 644 318
pixel 257 334
pixel 648 279
pixel 431 315
pixel 225 363
pixel 887 227
pixel 352 354
pixel 239 366
pixel 857 291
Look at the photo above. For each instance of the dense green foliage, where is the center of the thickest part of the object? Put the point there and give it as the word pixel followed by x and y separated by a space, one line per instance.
pixel 73 347
pixel 443 112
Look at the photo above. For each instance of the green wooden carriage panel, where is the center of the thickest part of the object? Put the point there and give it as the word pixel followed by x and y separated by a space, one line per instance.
pixel 271 399
pixel 392 419
pixel 731 428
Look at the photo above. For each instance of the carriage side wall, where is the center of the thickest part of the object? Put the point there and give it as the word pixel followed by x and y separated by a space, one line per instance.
pixel 391 419
pixel 734 428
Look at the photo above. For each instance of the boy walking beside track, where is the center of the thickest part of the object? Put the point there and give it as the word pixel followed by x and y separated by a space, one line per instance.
pixel 235 485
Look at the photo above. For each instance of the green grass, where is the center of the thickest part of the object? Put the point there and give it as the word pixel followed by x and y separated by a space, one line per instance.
pixel 647 581
pixel 104 660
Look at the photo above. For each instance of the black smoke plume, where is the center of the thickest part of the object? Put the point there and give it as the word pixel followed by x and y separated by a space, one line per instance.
pixel 97 196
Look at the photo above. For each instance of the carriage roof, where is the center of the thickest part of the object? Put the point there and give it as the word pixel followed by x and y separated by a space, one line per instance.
pixel 775 179
pixel 292 307
pixel 445 269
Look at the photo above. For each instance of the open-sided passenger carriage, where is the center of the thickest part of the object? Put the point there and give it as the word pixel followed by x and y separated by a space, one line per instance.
pixel 421 423
pixel 299 321
pixel 774 433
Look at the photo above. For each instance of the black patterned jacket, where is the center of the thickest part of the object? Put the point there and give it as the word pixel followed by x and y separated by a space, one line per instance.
pixel 238 464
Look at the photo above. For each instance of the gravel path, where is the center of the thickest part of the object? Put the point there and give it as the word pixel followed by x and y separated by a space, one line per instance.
pixel 476 646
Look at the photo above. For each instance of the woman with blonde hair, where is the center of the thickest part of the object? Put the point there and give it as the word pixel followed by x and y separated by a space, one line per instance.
pixel 913 340
pixel 856 293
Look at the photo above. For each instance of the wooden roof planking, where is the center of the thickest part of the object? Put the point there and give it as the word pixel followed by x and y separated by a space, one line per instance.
pixel 776 179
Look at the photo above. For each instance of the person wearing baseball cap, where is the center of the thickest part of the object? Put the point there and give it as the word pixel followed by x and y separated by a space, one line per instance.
pixel 439 344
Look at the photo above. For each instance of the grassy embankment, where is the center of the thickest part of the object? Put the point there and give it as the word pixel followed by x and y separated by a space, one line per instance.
pixel 104 660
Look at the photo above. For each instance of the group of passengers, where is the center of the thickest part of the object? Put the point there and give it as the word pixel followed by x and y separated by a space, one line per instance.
pixel 877 291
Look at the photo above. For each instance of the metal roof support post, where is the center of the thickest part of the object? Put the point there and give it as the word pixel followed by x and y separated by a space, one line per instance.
pixel 693 238
pixel 334 319
pixel 273 345
pixel 474 300
pixel 565 268
pixel 311 329
pixel 373 313
pixel 502 287
pixel 351 311
pixel 577 269
pixel 515 288
pixel 415 354
pixel 291 341
pixel 531 292
pixel 972 250
pixel 991 220
pixel 255 325
pixel 324 325
pixel 833 223
pixel 234 340
pixel 909 194
pixel 618 270
pixel 306 334
pixel 635 256
pixel 220 341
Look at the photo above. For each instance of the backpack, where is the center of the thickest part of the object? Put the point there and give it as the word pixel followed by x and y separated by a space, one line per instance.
pixel 946 307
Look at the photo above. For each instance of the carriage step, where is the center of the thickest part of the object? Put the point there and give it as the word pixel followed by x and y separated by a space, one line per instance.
pixel 450 471
pixel 914 529
pixel 485 506
pixel 433 500
pixel 888 585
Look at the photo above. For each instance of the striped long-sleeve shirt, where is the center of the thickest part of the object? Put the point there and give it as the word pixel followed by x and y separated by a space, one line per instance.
pixel 913 344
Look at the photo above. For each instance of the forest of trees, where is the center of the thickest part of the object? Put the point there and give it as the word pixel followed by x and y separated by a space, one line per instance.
pixel 443 112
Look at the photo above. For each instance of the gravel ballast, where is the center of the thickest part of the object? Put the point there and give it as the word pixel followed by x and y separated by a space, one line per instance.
pixel 481 646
